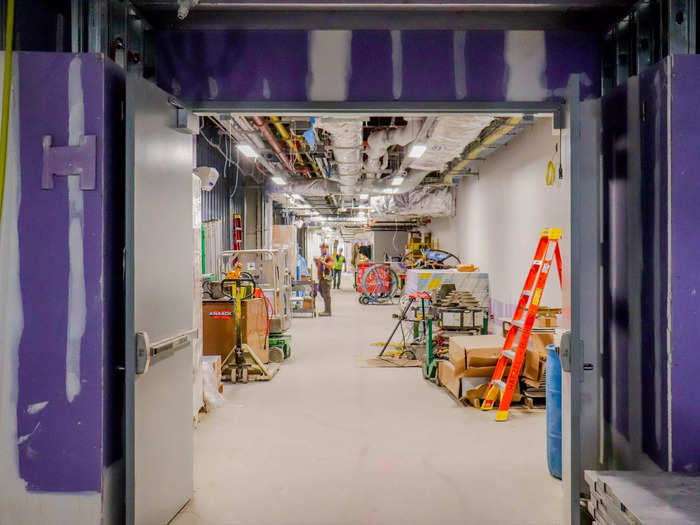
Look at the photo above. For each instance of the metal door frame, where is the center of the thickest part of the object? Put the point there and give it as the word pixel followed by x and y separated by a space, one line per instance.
pixel 580 215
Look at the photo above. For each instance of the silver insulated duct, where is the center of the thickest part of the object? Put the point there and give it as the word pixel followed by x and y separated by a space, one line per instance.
pixel 346 142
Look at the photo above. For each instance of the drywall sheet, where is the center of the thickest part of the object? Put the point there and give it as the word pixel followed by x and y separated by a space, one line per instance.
pixel 653 294
pixel 376 65
pixel 685 262
pixel 61 335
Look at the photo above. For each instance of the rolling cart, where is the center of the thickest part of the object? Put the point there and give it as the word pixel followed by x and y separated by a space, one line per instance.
pixel 303 291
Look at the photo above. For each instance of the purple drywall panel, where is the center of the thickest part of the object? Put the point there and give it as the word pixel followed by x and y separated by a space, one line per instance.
pixel 653 90
pixel 485 66
pixel 428 65
pixel 233 65
pixel 615 232
pixel 565 47
pixel 60 445
pixel 370 78
pixel 374 65
pixel 685 262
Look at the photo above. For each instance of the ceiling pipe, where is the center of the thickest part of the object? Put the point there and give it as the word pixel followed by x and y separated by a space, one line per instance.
pixel 274 143
pixel 379 142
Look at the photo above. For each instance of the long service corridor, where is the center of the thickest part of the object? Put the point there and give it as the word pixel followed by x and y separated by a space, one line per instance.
pixel 329 442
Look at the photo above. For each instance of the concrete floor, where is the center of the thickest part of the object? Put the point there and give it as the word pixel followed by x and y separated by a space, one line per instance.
pixel 326 442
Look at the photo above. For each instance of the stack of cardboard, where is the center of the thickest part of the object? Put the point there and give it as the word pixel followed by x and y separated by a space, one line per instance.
pixel 470 356
pixel 254 327
pixel 284 237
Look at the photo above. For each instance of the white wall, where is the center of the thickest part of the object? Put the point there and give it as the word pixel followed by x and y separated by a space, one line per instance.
pixel 389 243
pixel 501 214
pixel 444 231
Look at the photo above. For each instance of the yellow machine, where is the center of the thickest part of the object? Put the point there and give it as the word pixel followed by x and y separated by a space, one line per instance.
pixel 418 244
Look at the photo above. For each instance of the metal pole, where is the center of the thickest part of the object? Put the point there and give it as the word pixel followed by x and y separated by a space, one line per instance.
pixel 401 318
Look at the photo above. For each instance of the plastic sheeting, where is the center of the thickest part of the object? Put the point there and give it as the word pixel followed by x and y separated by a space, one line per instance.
pixel 424 201
pixel 212 246
pixel 198 385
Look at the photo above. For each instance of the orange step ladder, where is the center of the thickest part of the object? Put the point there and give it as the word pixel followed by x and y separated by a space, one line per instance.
pixel 547 250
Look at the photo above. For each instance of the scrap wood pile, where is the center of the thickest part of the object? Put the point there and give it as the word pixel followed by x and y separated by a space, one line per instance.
pixel 467 363
pixel 643 497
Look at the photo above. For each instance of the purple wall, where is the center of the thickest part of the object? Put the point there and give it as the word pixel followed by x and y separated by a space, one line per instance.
pixel 378 65
pixel 685 260
pixel 653 88
pixel 61 446
pixel 615 261
pixel 665 194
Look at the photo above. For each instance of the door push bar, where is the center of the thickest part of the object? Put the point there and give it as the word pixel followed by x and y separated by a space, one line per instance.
pixel 146 352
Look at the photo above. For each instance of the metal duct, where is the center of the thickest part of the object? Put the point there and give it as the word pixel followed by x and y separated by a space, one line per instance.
pixel 346 141
pixel 487 142
pixel 379 142
pixel 309 188
pixel 447 140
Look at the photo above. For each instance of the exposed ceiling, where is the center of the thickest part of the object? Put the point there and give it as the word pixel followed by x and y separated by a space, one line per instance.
pixel 348 167
pixel 588 15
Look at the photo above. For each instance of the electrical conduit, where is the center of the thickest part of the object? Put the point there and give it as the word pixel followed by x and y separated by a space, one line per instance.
pixel 6 88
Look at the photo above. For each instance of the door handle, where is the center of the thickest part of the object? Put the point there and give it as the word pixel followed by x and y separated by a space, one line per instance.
pixel 147 352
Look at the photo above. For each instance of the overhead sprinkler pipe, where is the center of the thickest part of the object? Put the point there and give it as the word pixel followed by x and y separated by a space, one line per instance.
pixel 274 143
pixel 287 137
pixel 6 88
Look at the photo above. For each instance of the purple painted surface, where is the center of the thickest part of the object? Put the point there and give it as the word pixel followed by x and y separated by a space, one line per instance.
pixel 371 78
pixel 616 323
pixel 62 452
pixel 485 72
pixel 685 260
pixel 566 47
pixel 428 65
pixel 654 164
pixel 231 65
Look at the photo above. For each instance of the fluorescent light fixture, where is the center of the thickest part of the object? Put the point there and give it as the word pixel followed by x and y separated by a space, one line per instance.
pixel 296 196
pixel 278 180
pixel 397 181
pixel 417 151
pixel 247 150
pixel 391 190
pixel 364 196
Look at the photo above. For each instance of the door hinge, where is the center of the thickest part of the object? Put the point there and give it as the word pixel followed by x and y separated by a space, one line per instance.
pixel 80 160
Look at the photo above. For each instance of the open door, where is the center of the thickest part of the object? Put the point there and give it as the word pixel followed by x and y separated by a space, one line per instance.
pixel 580 351
pixel 159 307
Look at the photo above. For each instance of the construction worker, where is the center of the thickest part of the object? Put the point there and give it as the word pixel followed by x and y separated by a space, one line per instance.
pixel 324 265
pixel 338 268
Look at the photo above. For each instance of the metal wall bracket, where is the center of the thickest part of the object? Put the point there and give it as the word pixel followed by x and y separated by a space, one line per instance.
pixel 78 160
pixel 565 351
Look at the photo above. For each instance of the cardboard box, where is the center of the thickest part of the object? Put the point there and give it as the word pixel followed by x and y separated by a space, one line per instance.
pixel 307 304
pixel 449 378
pixel 460 345
pixel 539 342
pixel 476 395
pixel 546 321
pixel 533 368
pixel 254 327
pixel 219 328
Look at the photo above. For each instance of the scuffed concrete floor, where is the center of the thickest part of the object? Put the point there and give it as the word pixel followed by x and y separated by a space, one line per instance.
pixel 326 442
